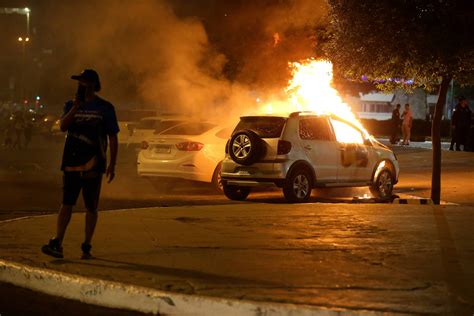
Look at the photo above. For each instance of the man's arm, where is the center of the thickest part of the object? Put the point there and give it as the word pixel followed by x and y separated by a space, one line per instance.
pixel 68 118
pixel 113 141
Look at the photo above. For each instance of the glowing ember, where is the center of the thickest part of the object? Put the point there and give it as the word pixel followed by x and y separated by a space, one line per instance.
pixel 310 90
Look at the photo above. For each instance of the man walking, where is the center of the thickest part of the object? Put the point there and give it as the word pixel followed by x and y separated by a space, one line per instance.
pixel 88 120
pixel 461 123
pixel 395 124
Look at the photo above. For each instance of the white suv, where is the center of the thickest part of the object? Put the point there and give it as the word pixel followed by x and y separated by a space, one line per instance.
pixel 301 151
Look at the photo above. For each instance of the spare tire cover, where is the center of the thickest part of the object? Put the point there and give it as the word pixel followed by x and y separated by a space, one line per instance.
pixel 246 147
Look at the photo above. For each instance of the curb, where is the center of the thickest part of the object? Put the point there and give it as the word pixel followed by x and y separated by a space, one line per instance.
pixel 130 297
pixel 413 201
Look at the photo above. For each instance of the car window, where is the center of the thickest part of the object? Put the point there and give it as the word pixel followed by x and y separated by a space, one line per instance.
pixel 134 115
pixel 164 125
pixel 314 128
pixel 346 133
pixel 189 129
pixel 224 133
pixel 263 126
pixel 147 124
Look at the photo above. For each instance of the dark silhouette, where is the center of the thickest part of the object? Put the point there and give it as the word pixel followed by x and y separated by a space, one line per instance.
pixel 89 121
pixel 396 123
pixel 461 123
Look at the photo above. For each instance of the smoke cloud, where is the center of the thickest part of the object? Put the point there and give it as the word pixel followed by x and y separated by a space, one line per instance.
pixel 214 62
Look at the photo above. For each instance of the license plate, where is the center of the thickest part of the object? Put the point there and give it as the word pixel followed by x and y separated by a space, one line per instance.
pixel 162 149
pixel 246 172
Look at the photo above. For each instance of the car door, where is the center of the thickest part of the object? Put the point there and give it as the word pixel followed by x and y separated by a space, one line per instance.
pixel 354 153
pixel 319 147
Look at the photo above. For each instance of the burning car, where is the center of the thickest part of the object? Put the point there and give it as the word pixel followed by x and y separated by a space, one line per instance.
pixel 191 150
pixel 319 142
pixel 302 151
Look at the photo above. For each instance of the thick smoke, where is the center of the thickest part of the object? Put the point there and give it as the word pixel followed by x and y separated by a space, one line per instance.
pixel 145 52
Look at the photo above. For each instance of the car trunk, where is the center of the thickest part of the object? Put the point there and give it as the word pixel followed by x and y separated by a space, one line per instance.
pixel 164 148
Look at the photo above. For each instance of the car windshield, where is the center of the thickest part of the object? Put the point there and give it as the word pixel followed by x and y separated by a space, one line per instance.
pixel 164 125
pixel 189 129
pixel 265 127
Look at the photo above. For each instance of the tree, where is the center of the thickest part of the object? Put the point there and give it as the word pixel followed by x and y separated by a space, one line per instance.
pixel 427 41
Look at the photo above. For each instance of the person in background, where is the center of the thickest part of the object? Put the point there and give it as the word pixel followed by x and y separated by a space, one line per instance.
pixel 461 123
pixel 407 121
pixel 28 132
pixel 9 133
pixel 395 125
pixel 19 126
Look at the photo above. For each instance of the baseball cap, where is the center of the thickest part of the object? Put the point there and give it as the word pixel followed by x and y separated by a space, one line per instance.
pixel 88 75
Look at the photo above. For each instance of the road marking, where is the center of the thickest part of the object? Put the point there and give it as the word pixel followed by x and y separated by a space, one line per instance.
pixel 414 197
pixel 413 201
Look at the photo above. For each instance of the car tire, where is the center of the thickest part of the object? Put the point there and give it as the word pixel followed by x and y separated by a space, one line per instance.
pixel 217 180
pixel 246 147
pixel 236 193
pixel 298 185
pixel 382 186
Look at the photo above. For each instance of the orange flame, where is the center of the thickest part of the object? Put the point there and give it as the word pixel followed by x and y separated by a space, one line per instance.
pixel 310 89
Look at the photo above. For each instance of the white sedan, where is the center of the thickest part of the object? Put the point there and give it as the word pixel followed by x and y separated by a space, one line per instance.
pixel 192 151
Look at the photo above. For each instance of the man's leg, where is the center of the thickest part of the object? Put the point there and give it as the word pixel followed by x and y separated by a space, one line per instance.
pixel 91 221
pixel 64 217
pixel 71 189
pixel 90 193
pixel 453 139
pixel 458 139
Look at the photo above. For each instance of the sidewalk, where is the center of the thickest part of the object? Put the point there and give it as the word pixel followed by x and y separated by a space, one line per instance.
pixel 321 257
pixel 424 145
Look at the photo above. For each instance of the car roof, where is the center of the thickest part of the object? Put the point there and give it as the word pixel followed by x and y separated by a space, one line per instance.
pixel 288 114
pixel 163 117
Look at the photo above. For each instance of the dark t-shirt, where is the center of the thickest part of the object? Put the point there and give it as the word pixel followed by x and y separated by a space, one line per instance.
pixel 396 116
pixel 461 117
pixel 87 134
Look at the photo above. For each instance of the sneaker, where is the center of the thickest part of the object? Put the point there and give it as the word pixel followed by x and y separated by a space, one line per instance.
pixel 86 251
pixel 53 248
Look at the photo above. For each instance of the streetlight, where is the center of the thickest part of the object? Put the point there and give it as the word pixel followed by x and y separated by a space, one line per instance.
pixel 23 41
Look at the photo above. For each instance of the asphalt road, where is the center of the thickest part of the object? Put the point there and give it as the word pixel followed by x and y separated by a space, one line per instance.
pixel 30 182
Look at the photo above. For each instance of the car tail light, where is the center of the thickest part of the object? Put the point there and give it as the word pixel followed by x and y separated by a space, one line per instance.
pixel 189 146
pixel 284 147
pixel 145 145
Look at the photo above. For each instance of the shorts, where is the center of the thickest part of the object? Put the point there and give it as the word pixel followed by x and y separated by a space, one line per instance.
pixel 87 181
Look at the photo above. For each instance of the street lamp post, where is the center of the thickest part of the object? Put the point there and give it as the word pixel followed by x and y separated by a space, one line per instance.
pixel 27 11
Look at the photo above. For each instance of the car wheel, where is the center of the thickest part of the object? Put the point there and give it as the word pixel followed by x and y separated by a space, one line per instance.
pixel 236 193
pixel 298 185
pixel 246 147
pixel 217 179
pixel 382 187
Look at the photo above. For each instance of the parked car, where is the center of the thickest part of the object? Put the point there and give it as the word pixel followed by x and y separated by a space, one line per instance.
pixel 302 151
pixel 146 127
pixel 128 119
pixel 191 150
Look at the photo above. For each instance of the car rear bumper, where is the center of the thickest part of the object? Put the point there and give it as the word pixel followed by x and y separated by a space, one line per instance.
pixel 262 173
pixel 182 169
